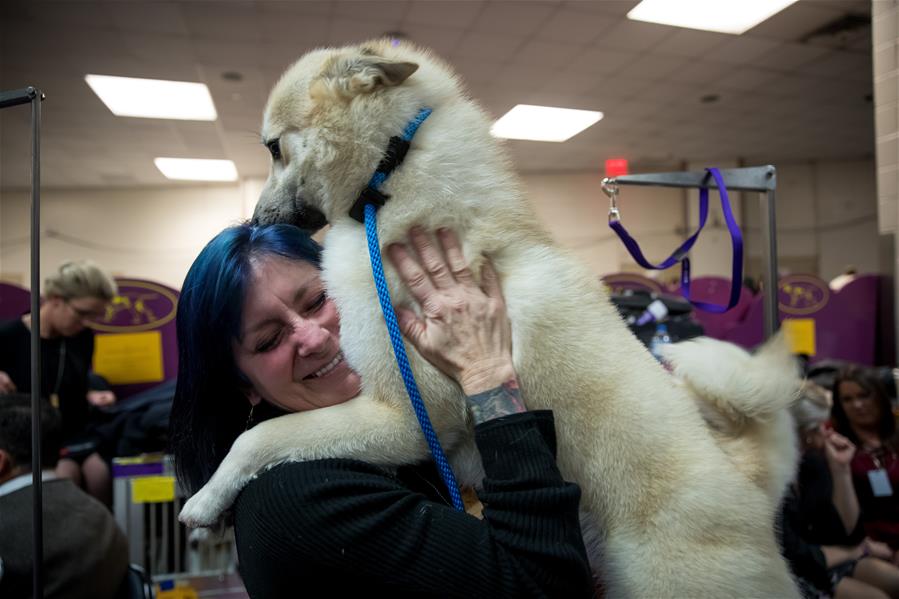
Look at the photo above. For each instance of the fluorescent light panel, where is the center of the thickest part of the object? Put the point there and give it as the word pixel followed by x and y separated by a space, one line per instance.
pixel 724 16
pixel 543 123
pixel 195 169
pixel 154 98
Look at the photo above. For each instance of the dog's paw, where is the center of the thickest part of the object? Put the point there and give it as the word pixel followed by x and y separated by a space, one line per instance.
pixel 203 510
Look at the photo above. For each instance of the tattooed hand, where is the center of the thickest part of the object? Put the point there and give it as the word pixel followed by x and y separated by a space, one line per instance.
pixel 463 330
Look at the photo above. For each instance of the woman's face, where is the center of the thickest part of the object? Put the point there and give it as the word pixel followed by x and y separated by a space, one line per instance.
pixel 289 345
pixel 68 317
pixel 859 404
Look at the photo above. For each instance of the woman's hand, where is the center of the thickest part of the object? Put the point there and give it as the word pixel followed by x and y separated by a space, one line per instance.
pixel 463 330
pixel 838 449
pixel 100 399
pixel 878 549
pixel 6 384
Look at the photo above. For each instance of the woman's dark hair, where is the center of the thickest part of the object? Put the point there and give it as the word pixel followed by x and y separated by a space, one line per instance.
pixel 865 379
pixel 210 407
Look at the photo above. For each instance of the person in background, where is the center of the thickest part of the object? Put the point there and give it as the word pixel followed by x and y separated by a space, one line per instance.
pixel 849 274
pixel 258 333
pixel 77 293
pixel 85 553
pixel 99 393
pixel 862 413
pixel 821 531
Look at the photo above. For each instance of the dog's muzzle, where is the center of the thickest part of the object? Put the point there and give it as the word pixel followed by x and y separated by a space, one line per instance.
pixel 300 214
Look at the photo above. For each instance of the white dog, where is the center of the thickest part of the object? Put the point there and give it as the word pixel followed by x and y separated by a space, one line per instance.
pixel 682 509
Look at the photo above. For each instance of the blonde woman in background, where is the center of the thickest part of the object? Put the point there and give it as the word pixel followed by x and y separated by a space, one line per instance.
pixel 78 292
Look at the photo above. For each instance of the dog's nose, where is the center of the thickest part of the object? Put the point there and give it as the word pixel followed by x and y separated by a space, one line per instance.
pixel 309 218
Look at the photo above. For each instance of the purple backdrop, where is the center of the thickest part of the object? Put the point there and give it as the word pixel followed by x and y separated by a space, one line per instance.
pixel 140 306
pixel 849 323
pixel 14 301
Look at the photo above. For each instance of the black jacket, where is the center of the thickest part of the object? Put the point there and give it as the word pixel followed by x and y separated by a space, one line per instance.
pixel 340 526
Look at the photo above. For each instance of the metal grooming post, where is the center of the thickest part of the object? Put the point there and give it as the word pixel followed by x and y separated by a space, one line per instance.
pixel 14 98
pixel 762 179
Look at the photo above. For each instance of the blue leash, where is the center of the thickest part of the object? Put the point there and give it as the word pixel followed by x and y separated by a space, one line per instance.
pixel 393 328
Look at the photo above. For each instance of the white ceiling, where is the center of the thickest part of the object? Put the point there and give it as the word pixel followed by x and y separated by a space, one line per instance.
pixel 782 97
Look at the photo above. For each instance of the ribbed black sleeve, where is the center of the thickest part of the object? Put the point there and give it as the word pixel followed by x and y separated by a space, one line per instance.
pixel 343 526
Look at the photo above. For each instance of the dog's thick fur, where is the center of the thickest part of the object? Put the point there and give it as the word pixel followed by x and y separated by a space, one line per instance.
pixel 680 511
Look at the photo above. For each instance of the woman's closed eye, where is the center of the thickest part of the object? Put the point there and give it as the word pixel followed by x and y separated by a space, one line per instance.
pixel 269 342
pixel 318 302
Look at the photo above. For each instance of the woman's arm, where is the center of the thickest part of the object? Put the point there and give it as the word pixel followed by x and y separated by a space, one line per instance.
pixel 839 452
pixel 347 526
pixel 835 555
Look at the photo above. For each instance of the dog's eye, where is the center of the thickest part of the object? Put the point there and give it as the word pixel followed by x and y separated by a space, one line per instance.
pixel 274 147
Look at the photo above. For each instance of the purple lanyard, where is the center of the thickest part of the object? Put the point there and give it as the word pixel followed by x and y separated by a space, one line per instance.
pixel 680 254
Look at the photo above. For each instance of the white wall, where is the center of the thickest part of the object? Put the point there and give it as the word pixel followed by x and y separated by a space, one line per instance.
pixel 826 220
pixel 147 233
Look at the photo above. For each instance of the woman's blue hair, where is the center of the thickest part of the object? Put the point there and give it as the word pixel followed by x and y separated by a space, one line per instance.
pixel 210 406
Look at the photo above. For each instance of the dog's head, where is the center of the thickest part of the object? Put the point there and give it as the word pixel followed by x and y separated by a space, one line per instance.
pixel 327 124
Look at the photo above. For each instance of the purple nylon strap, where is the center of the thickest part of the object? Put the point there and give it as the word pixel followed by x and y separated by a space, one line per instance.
pixel 680 254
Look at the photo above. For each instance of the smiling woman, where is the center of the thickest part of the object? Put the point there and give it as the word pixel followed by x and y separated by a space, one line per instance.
pixel 289 344
pixel 259 336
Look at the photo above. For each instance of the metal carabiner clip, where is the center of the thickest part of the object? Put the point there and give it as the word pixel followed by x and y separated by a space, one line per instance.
pixel 610 188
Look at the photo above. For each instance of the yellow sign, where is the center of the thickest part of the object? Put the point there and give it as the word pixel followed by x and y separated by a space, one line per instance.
pixel 800 334
pixel 129 357
pixel 152 489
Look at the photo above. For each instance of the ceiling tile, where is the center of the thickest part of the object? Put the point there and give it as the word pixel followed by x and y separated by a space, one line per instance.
pixel 546 54
pixel 635 35
pixel 521 79
pixel 445 13
pixel 441 40
pixel 378 10
pixel 698 71
pixel 287 10
pixel 796 21
pixel 602 60
pixel 234 54
pixel 296 30
pixel 618 8
pixel 652 66
pixel 476 72
pixel 691 43
pixel 148 18
pixel 490 48
pixel 789 56
pixel 350 31
pixel 514 17
pixel 741 50
pixel 744 78
pixel 574 27
pixel 227 21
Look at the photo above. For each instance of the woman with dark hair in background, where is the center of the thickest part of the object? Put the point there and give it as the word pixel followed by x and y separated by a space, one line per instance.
pixel 862 413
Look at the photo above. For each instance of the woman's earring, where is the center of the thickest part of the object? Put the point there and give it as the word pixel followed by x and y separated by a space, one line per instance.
pixel 249 418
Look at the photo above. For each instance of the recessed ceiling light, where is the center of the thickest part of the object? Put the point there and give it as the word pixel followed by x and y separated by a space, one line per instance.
pixel 196 169
pixel 543 123
pixel 154 98
pixel 724 16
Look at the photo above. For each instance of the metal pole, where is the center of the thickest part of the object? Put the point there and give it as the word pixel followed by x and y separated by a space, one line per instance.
pixel 767 209
pixel 36 453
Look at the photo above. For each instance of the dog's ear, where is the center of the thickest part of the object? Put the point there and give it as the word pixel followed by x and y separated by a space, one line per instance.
pixel 352 76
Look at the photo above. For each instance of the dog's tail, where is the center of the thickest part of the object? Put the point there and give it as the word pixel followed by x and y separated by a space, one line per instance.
pixel 745 399
pixel 740 386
